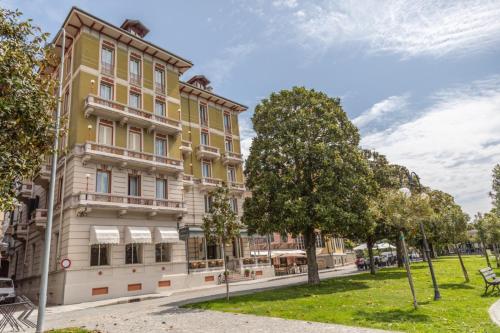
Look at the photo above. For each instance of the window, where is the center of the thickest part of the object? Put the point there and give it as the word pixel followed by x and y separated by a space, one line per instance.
pixel 162 252
pixel 205 169
pixel 319 240
pixel 133 253
pixel 300 242
pixel 106 91
pixel 204 139
pixel 135 100
pixel 134 185
pixel 59 189
pixel 208 203
pixel 135 71
pixel 105 132
pixel 233 202
pixel 160 108
pixel 99 254
pixel 203 114
pixel 107 61
pixel 229 144
pixel 161 189
pixel 103 181
pixel 227 122
pixel 231 175
pixel 66 102
pixel 159 80
pixel 134 139
pixel 160 146
pixel 68 65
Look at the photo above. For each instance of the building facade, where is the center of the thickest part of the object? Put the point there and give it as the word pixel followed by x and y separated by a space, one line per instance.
pixel 140 153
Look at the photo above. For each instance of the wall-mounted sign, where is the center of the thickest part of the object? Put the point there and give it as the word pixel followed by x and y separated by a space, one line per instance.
pixel 65 263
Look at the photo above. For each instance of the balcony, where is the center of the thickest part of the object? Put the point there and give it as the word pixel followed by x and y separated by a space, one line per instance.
pixel 39 218
pixel 125 203
pixel 232 158
pixel 207 152
pixel 135 79
pixel 125 157
pixel 21 231
pixel 188 181
pixel 107 69
pixel 186 147
pixel 209 183
pixel 98 106
pixel 25 190
pixel 159 88
pixel 236 187
pixel 43 177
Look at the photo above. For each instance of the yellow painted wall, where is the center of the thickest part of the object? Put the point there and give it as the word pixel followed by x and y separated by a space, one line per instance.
pixel 78 131
pixel 121 136
pixel 173 111
pixel 234 124
pixel 89 50
pixel 215 118
pixel 185 133
pixel 185 109
pixel 147 102
pixel 148 74
pixel 174 142
pixel 172 84
pixel 122 64
pixel 148 142
pixel 193 111
pixel 121 93
pixel 236 146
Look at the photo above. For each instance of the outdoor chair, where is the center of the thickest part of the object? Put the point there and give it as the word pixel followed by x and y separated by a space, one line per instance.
pixel 490 279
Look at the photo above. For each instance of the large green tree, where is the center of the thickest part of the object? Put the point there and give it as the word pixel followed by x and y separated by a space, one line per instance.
pixel 305 169
pixel 26 99
pixel 495 187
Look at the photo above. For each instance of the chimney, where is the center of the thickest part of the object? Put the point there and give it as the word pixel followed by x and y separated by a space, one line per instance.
pixel 135 27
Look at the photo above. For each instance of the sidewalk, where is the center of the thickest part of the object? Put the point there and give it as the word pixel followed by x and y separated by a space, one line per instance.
pixel 122 300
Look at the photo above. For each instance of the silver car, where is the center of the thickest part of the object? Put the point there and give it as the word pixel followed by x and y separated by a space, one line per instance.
pixel 7 291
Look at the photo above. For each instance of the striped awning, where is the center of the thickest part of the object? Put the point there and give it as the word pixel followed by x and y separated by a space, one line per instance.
pixel 104 235
pixel 166 235
pixel 138 235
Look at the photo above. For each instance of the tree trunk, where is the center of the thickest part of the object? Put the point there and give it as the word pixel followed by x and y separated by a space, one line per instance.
pixel 486 254
pixel 312 265
pixel 433 251
pixel 464 270
pixel 226 273
pixel 495 249
pixel 424 254
pixel 399 252
pixel 369 245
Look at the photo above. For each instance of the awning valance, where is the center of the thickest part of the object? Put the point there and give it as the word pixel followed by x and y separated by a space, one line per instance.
pixel 104 235
pixel 138 235
pixel 166 235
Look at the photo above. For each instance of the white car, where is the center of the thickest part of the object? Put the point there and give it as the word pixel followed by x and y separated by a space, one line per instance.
pixel 7 291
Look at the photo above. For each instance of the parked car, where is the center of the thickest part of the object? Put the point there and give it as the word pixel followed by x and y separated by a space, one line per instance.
pixel 7 291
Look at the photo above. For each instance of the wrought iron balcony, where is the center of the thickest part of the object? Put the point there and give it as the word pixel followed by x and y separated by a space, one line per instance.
pixel 125 203
pixel 126 157
pixel 125 114
pixel 207 152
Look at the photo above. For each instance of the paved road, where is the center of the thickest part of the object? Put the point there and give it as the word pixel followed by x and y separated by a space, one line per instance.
pixel 164 314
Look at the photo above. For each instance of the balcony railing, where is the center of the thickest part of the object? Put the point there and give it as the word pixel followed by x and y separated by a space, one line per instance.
pixel 127 114
pixel 188 180
pixel 135 79
pixel 132 157
pixel 208 152
pixel 107 68
pixel 233 158
pixel 160 88
pixel 136 203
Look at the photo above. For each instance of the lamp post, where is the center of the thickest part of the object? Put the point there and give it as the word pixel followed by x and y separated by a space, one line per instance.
pixel 414 181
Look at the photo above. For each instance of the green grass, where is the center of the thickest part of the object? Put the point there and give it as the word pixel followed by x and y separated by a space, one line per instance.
pixel 382 301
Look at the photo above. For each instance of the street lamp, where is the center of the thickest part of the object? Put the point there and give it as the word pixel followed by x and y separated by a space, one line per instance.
pixel 414 181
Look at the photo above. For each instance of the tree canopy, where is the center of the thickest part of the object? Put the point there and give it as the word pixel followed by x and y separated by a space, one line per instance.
pixel 26 101
pixel 305 169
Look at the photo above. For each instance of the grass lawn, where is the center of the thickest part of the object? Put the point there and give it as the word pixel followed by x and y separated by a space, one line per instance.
pixel 382 301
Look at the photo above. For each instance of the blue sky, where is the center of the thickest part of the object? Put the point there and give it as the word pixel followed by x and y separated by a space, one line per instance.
pixel 421 79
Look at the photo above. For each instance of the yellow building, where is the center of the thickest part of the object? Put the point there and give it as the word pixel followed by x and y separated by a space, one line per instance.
pixel 141 152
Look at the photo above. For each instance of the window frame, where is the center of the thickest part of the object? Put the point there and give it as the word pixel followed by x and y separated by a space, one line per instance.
pixel 97 179
pixel 164 257
pixel 108 124
pixel 161 86
pixel 165 188
pixel 139 251
pixel 105 69
pixel 228 125
pixel 228 143
pixel 139 99
pixel 231 171
pixel 164 109
pixel 202 134
pixel 206 162
pixel 139 185
pixel 101 248
pixel 203 120
pixel 111 89
pixel 165 140
pixel 135 78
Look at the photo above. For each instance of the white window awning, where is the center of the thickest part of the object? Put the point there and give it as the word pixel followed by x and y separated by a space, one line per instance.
pixel 138 235
pixel 166 235
pixel 104 235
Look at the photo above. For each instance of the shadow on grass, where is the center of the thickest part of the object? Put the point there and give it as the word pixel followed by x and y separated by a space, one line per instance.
pixel 455 286
pixel 392 316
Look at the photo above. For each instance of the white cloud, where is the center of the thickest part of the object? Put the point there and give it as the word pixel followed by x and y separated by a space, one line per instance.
pixel 381 109
pixel 285 3
pixel 453 144
pixel 220 68
pixel 405 27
